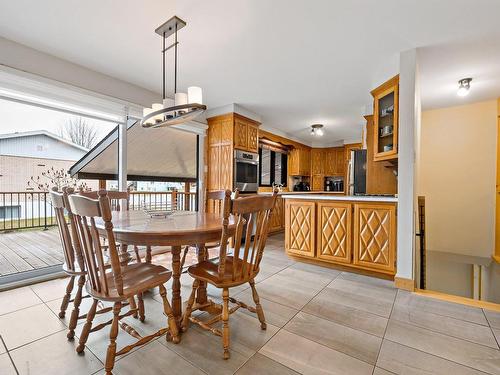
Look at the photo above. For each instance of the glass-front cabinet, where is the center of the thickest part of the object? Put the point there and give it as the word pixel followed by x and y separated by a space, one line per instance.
pixel 385 117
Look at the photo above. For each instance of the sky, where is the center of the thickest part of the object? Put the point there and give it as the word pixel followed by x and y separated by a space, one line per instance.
pixel 17 117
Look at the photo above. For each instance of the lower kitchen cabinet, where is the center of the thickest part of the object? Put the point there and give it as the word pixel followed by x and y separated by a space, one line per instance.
pixel 277 222
pixel 350 233
pixel 375 236
pixel 334 232
pixel 300 225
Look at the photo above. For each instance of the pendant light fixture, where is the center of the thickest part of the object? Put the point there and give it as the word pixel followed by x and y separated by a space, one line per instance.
pixel 464 87
pixel 186 106
pixel 317 130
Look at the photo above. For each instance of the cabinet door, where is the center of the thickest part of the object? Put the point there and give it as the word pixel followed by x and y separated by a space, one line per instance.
pixel 330 162
pixel 340 161
pixel 305 162
pixel 214 167
pixel 334 232
pixel 240 135
pixel 299 227
pixel 226 163
pixel 214 133
pixel 317 182
pixel 317 161
pixel 375 236
pixel 253 138
pixel 278 217
pixel 293 162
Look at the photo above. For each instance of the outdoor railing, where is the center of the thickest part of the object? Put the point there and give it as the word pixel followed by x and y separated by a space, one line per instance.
pixel 27 209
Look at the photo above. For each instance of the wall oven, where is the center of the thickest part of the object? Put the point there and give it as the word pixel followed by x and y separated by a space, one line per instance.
pixel 246 171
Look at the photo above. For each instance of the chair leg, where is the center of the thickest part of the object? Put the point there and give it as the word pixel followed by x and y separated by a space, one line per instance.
pixel 67 297
pixel 167 309
pixel 258 306
pixel 76 308
pixel 137 255
pixel 133 306
pixel 140 303
pixel 225 322
pixel 148 254
pixel 87 327
pixel 113 333
pixel 189 307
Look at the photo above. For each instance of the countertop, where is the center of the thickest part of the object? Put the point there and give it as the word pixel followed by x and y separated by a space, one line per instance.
pixel 333 197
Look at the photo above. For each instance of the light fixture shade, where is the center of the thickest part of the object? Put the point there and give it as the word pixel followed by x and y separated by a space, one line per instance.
pixel 317 130
pixel 157 107
pixel 180 98
pixel 145 113
pixel 464 87
pixel 195 95
pixel 462 91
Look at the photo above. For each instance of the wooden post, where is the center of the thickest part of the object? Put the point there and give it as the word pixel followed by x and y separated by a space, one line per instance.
pixel 187 200
pixel 102 184
pixel 174 199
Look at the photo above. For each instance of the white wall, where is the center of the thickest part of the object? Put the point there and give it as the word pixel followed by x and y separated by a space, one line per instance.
pixel 23 58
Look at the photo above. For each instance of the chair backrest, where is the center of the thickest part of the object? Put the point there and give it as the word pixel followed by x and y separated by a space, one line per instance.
pixel 85 210
pixel 253 214
pixel 71 249
pixel 215 200
pixel 114 196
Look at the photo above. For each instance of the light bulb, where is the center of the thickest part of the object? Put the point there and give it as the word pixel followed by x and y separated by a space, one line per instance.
pixel 462 91
pixel 195 95
pixel 319 132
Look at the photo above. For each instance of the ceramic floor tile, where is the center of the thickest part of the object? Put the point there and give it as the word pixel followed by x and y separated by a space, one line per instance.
pixel 496 332
pixel 325 306
pixel 307 357
pixel 329 273
pixel 380 371
pixel 493 318
pixel 400 359
pixel 307 276
pixel 16 299
pixel 54 355
pixel 347 340
pixel 445 308
pixel 463 352
pixel 244 329
pixel 6 367
pixel 206 352
pixel 262 365
pixel 381 293
pixel 53 289
pixel 84 308
pixel 3 349
pixel 449 326
pixel 154 359
pixel 275 313
pixel 29 324
pixel 368 280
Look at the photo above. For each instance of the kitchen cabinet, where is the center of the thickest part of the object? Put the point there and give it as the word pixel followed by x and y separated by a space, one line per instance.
pixel 334 231
pixel 318 182
pixel 375 236
pixel 225 134
pixel 330 162
pixel 246 135
pixel 318 157
pixel 356 234
pixel 340 165
pixel 277 222
pixel 299 162
pixel 386 121
pixel 300 225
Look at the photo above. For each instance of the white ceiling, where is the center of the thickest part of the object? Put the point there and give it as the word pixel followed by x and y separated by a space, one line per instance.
pixel 293 62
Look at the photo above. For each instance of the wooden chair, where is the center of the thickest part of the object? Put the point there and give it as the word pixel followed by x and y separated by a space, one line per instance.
pixel 229 271
pixel 115 198
pixel 117 283
pixel 215 201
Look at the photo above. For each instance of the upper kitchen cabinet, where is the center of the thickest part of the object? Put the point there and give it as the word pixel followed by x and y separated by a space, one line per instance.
pixel 385 111
pixel 246 134
pixel 318 158
pixel 299 162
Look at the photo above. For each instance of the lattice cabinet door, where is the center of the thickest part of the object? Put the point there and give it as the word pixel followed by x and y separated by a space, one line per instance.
pixel 226 167
pixel 375 236
pixel 253 138
pixel 240 135
pixel 334 232
pixel 214 167
pixel 300 226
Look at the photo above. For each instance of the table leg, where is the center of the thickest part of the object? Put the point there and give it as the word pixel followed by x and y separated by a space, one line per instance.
pixel 124 255
pixel 176 283
pixel 201 295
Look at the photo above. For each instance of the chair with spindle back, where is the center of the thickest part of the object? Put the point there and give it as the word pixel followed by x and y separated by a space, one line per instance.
pixel 73 259
pixel 117 283
pixel 228 271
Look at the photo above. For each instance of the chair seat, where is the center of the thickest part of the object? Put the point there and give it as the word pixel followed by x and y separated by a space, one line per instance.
pixel 137 278
pixel 208 271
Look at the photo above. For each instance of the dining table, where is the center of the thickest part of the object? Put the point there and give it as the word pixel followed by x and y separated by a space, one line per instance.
pixel 176 229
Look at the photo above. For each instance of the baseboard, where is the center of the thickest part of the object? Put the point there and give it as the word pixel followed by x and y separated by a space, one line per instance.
pixel 458 299
pixel 405 284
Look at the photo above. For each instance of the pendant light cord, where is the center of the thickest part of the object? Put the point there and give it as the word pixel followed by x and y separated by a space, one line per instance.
pixel 175 69
pixel 163 68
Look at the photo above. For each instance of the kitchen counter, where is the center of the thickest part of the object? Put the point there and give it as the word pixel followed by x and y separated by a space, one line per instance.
pixel 334 197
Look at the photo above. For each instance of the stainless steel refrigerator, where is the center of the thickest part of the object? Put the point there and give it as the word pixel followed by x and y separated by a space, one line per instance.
pixel 357 172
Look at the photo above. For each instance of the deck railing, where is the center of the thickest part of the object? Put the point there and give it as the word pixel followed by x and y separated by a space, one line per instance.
pixel 30 209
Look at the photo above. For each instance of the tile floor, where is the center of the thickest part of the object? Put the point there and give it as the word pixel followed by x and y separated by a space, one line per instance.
pixel 320 321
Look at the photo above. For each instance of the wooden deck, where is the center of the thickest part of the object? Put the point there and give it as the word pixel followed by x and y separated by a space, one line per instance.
pixel 29 250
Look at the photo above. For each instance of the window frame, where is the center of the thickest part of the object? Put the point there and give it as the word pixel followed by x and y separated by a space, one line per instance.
pixel 284 168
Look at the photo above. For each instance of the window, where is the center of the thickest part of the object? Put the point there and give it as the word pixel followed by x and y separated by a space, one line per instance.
pixel 10 212
pixel 272 167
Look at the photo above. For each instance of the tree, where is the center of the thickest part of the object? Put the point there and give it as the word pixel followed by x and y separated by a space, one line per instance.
pixel 55 178
pixel 79 131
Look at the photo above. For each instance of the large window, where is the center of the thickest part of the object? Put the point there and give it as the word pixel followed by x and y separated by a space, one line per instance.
pixel 272 167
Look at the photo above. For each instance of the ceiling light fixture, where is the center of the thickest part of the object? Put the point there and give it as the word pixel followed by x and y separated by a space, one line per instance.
pixel 186 106
pixel 317 130
pixel 464 86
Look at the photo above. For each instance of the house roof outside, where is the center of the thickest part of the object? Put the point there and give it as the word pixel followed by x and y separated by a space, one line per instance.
pixel 42 132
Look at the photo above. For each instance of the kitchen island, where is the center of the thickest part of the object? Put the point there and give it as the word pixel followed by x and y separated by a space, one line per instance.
pixel 353 231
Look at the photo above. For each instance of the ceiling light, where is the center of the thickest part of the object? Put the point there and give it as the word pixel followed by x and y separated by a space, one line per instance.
pixel 464 86
pixel 186 106
pixel 317 130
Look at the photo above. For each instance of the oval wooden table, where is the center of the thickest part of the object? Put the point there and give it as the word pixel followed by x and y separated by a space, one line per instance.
pixel 180 228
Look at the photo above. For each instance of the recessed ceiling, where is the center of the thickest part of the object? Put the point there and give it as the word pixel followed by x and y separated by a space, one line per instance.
pixel 295 63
